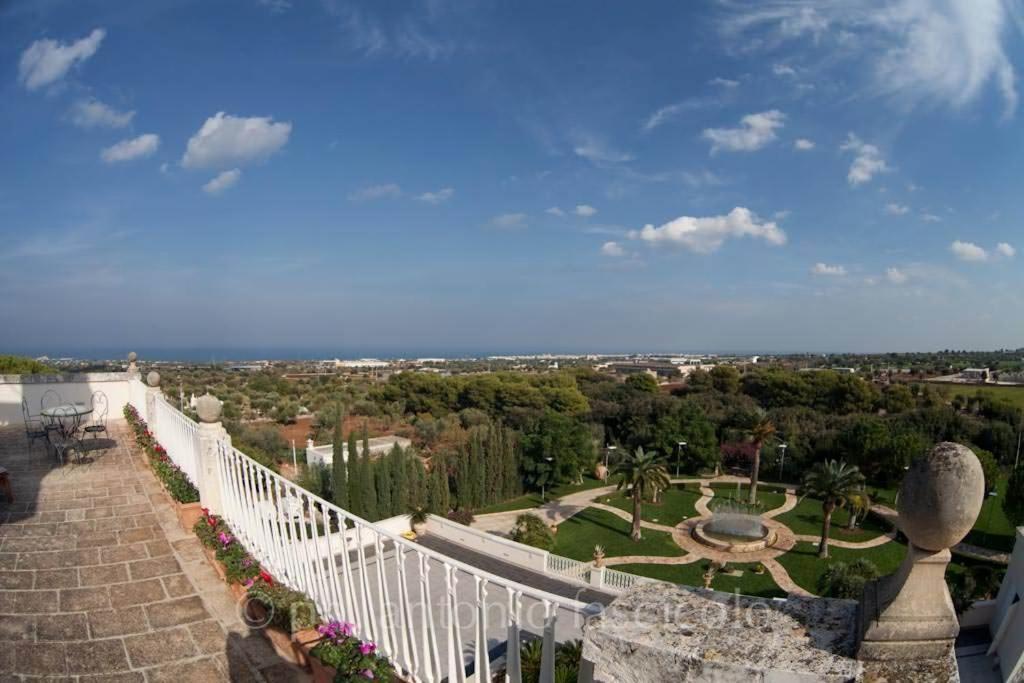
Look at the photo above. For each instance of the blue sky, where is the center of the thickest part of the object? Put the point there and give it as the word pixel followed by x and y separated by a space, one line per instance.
pixel 445 176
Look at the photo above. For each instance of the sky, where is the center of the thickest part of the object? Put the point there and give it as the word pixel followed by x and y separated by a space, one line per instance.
pixel 436 177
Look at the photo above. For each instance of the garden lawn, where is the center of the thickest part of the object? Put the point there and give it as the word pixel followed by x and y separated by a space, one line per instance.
pixel 993 529
pixel 748 583
pixel 805 567
pixel 578 535
pixel 675 505
pixel 807 518
pixel 770 497
pixel 524 502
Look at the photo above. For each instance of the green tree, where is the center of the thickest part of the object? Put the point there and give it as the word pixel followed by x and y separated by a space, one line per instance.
pixel 833 483
pixel 399 480
pixel 725 378
pixel 643 382
pixel 563 441
pixel 20 365
pixel 439 492
pixel 1013 501
pixel 367 481
pixel 382 483
pixel 758 433
pixel 842 580
pixel 642 473
pixel 355 490
pixel 531 530
pixel 338 468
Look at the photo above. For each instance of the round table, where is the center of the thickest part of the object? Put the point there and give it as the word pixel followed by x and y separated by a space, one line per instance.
pixel 67 416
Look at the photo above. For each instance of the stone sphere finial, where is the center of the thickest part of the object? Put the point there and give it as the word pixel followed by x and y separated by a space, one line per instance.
pixel 153 378
pixel 208 408
pixel 132 356
pixel 941 496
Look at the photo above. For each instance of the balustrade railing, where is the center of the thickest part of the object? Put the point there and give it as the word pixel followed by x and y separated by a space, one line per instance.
pixel 621 581
pixel 434 617
pixel 178 434
pixel 563 566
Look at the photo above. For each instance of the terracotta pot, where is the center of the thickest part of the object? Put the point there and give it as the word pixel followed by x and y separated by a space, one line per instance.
pixel 188 514
pixel 211 557
pixel 302 642
pixel 601 472
pixel 321 672
pixel 282 643
pixel 419 529
pixel 238 590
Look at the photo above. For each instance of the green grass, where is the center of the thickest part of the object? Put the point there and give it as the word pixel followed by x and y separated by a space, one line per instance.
pixel 1014 394
pixel 529 500
pixel 578 535
pixel 993 530
pixel 770 497
pixel 807 518
pixel 588 483
pixel 675 504
pixel 805 567
pixel 748 583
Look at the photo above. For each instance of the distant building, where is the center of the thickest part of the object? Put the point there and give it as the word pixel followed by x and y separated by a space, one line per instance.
pixel 324 455
pixel 657 369
pixel 361 364
pixel 974 374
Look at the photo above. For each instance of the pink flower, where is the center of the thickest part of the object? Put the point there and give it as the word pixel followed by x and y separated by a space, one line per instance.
pixel 366 673
pixel 367 648
pixel 249 583
pixel 225 539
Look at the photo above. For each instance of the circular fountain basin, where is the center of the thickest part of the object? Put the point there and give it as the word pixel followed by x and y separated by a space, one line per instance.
pixel 753 537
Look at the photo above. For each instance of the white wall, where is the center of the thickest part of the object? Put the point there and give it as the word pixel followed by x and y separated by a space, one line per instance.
pixel 73 388
pixel 1008 625
pixel 489 544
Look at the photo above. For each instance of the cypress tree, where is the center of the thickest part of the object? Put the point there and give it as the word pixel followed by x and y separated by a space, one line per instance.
pixel 368 484
pixel 339 480
pixel 416 482
pixel 400 490
pixel 513 476
pixel 440 496
pixel 462 480
pixel 355 499
pixel 382 482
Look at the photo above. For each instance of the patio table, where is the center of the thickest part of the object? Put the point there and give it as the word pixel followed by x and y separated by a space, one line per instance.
pixel 67 416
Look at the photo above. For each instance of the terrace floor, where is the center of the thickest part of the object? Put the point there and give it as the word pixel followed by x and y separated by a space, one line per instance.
pixel 98 582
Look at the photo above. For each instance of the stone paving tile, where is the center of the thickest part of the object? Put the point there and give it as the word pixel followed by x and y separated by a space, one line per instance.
pixel 99 584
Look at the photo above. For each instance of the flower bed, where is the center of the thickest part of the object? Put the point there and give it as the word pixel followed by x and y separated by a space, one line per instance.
pixel 340 656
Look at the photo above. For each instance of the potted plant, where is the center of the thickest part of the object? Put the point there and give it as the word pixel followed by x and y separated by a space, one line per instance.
pixel 759 568
pixel 598 555
pixel 418 520
pixel 341 656
pixel 285 614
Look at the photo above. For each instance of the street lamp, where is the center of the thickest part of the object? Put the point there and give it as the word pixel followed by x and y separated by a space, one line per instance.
pixel 608 450
pixel 543 495
pixel 679 456
pixel 782 458
pixel 988 516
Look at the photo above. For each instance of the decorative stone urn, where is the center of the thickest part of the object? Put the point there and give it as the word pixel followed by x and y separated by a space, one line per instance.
pixel 153 378
pixel 909 614
pixel 208 408
pixel 600 472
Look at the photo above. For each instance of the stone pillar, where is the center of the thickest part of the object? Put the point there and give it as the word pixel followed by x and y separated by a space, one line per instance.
pixel 133 369
pixel 211 434
pixel 597 577
pixel 152 391
pixel 908 615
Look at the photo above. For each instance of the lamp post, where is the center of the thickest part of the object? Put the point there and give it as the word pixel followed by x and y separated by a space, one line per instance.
pixel 679 456
pixel 782 458
pixel 607 451
pixel 988 516
pixel 543 495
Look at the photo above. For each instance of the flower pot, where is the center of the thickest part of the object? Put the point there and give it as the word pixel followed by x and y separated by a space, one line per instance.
pixel 302 642
pixel 238 590
pixel 281 640
pixel 601 472
pixel 321 672
pixel 419 529
pixel 188 514
pixel 211 557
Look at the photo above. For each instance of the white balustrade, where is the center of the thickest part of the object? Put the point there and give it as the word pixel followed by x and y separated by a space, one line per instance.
pixel 563 566
pixel 137 397
pixel 179 435
pixel 431 615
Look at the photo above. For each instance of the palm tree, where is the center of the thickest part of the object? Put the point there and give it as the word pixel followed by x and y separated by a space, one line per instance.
pixel 760 432
pixel 641 472
pixel 859 502
pixel 834 483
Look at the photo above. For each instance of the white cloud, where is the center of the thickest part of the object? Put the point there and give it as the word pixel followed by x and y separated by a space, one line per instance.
pixel 134 148
pixel 724 82
pixel 92 113
pixel 968 251
pixel 226 140
pixel 783 70
pixel 894 209
pixel 509 221
pixel 930 218
pixel 417 34
pixel 803 144
pixel 867 160
pixel 612 249
pixel 371 192
pixel 598 153
pixel 912 51
pixel 47 61
pixel 826 269
pixel 554 211
pixel 707 234
pixel 439 197
pixel 1006 250
pixel 755 131
pixel 671 111
pixel 222 182
pixel 896 276
pixel 585 210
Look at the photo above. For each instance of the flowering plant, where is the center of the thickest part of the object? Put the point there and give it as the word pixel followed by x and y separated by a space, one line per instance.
pixel 215 534
pixel 353 659
pixel 174 480
pixel 288 609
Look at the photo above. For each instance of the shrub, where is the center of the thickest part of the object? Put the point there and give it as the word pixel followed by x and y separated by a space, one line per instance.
pixel 461 516
pixel 353 658
pixel 531 530
pixel 239 565
pixel 842 580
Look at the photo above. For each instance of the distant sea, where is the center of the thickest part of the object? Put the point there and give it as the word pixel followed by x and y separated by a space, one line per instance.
pixel 219 355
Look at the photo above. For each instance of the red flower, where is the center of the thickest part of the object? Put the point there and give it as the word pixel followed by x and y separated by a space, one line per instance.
pixel 267 578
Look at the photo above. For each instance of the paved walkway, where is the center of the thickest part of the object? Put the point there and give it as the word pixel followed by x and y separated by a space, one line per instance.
pixel 99 583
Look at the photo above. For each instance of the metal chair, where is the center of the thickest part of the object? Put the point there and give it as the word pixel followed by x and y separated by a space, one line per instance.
pixel 50 399
pixel 64 444
pixel 99 414
pixel 34 428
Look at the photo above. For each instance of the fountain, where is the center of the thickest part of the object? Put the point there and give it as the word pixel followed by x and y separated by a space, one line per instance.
pixel 734 526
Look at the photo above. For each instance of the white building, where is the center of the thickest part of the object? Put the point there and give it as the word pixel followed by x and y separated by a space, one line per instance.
pixel 324 455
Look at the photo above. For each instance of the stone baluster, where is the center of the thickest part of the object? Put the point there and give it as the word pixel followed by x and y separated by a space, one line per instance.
pixel 212 436
pixel 152 391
